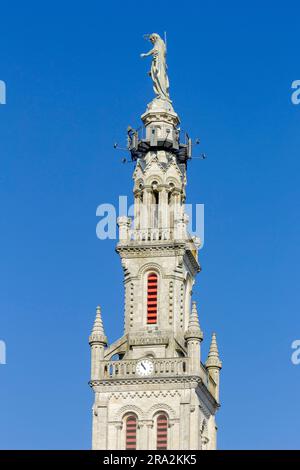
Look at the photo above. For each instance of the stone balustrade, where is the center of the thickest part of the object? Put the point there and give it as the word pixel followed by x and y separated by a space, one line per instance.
pixel 162 367
pixel 151 234
pixel 127 368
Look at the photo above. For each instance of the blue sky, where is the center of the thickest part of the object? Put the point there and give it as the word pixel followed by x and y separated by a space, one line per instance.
pixel 74 82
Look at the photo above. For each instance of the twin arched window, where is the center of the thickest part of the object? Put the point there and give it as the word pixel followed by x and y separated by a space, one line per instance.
pixel 152 290
pixel 161 432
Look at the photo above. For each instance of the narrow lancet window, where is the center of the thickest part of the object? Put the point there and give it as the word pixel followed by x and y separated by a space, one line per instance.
pixel 131 426
pixel 162 432
pixel 152 285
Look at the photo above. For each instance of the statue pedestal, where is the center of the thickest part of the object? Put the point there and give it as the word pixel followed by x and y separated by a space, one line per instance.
pixel 160 116
pixel 160 104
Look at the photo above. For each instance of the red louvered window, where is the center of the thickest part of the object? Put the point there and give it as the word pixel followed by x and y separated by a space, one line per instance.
pixel 162 432
pixel 131 432
pixel 152 298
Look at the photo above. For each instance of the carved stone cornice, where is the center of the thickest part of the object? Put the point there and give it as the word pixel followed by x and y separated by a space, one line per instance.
pixel 194 382
pixel 169 117
pixel 191 262
pixel 144 249
pixel 147 340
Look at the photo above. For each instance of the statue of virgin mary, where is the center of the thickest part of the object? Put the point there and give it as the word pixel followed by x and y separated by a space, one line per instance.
pixel 159 67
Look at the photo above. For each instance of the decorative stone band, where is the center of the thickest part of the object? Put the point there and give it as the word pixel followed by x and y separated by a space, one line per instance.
pixel 194 333
pixel 97 339
pixel 145 340
pixel 213 362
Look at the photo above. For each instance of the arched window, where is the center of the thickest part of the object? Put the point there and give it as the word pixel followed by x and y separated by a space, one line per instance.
pixel 154 205
pixel 131 426
pixel 162 432
pixel 152 284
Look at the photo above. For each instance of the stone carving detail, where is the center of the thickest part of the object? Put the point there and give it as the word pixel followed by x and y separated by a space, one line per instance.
pixel 171 302
pixel 184 379
pixel 145 393
pixel 161 249
pixel 161 407
pixel 129 409
pixel 204 435
pixel 204 410
pixel 131 308
pixel 181 305
pixel 149 267
pixel 144 340
pixel 125 269
pixel 125 307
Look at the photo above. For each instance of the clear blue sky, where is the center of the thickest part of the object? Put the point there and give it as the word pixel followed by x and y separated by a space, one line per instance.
pixel 74 82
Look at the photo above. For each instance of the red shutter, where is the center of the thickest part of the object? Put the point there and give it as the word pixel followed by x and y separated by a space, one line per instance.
pixel 152 298
pixel 162 432
pixel 131 432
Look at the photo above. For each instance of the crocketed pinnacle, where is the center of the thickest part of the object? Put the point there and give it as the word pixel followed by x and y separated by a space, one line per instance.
pixel 98 335
pixel 194 330
pixel 213 359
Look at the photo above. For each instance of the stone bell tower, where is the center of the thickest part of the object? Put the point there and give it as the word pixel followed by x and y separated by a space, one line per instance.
pixel 151 389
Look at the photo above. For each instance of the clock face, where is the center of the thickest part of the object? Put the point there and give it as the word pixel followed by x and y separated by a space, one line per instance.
pixel 144 367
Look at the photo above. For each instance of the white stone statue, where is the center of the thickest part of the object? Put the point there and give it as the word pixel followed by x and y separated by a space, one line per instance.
pixel 159 67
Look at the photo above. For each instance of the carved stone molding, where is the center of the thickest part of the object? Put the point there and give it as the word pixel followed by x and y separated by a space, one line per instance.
pixel 149 249
pixel 148 340
pixel 145 394
pixel 128 409
pixel 161 407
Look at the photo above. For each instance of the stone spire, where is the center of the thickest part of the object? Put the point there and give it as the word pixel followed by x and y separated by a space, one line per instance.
pixel 98 335
pixel 213 359
pixel 194 330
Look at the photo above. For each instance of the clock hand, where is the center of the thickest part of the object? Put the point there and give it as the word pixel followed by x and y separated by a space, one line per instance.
pixel 143 366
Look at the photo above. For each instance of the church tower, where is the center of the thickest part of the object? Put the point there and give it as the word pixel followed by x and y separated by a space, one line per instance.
pixel 152 391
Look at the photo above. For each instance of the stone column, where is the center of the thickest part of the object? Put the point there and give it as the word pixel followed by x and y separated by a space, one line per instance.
pixel 100 415
pixel 194 427
pixel 185 225
pixel 212 433
pixel 147 202
pixel 179 229
pixel 142 443
pixel 137 210
pixel 184 436
pixel 171 430
pixel 163 208
pixel 118 427
pixel 176 204
pixel 124 224
pixel 171 212
pixel 149 443
pixel 175 437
